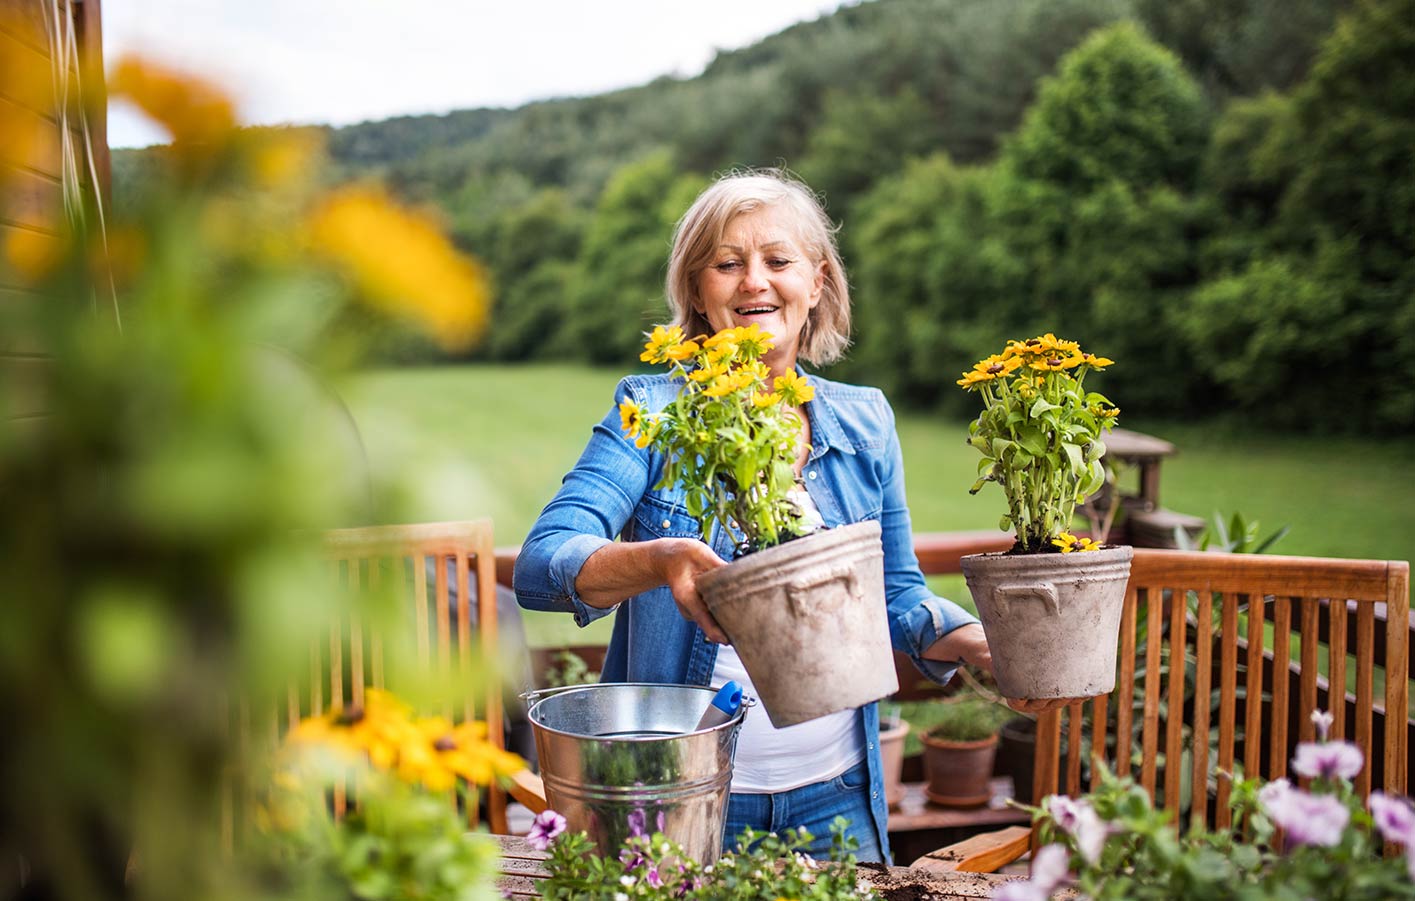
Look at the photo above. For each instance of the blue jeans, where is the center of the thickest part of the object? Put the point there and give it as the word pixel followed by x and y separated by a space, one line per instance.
pixel 812 807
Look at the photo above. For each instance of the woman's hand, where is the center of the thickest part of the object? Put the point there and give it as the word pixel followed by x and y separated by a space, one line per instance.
pixel 618 571
pixel 681 561
pixel 969 645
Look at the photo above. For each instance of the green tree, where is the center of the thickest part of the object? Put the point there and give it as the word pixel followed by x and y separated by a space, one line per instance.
pixel 1120 107
pixel 618 289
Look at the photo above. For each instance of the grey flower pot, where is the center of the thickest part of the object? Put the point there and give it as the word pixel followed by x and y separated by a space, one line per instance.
pixel 808 619
pixel 1052 620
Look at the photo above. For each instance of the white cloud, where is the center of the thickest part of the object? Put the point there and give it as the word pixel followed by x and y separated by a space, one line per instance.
pixel 348 61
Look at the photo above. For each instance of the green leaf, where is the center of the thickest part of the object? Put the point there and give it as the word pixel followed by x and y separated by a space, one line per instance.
pixel 1042 405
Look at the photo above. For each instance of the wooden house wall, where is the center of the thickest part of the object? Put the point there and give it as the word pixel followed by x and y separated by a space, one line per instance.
pixel 31 157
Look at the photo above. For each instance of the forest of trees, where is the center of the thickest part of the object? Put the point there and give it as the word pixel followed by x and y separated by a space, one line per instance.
pixel 1218 194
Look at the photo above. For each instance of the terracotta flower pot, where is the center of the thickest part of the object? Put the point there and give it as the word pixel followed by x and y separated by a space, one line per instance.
pixel 1051 620
pixel 891 752
pixel 808 620
pixel 958 771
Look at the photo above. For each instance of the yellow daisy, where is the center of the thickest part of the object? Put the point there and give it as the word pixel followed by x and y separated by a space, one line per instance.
pixel 631 416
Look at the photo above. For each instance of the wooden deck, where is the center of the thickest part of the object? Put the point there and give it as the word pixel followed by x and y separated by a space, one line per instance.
pixel 522 868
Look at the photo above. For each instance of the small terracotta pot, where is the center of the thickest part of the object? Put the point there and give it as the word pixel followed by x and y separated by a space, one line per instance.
pixel 891 752
pixel 958 771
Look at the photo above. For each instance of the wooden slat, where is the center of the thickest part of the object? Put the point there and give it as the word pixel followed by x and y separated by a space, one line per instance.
pixel 1073 744
pixel 23 20
pixel 419 601
pixel 1253 722
pixel 1228 692
pixel 443 604
pixel 1397 689
pixel 31 201
pixel 982 853
pixel 1125 682
pixel 1365 641
pixel 1100 706
pixel 1307 682
pixel 1282 649
pixel 1363 580
pixel 1047 763
pixel 1203 654
pixel 375 642
pixel 29 140
pixel 1174 727
pixel 1336 667
pixel 28 79
pixel 1154 623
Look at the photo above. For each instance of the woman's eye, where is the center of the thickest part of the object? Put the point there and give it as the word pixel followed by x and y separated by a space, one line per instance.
pixel 727 265
pixel 778 263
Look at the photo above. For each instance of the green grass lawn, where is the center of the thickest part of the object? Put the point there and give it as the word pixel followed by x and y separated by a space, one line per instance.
pixel 495 440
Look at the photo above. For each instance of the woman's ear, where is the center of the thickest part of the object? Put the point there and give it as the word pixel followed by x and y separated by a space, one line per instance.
pixel 818 286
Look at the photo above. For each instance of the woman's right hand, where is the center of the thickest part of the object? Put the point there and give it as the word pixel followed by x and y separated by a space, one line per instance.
pixel 622 569
pixel 680 561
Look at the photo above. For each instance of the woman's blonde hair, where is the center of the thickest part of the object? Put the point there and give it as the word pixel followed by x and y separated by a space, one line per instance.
pixel 696 239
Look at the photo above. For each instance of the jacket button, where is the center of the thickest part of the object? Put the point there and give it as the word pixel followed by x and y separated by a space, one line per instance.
pixel 667 523
pixel 811 474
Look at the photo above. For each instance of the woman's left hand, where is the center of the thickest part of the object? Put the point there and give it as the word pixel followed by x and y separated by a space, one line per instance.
pixel 969 645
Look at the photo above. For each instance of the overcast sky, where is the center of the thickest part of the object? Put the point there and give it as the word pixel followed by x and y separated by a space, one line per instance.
pixel 309 61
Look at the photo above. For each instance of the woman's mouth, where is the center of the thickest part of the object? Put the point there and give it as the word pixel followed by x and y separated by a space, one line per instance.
pixel 755 310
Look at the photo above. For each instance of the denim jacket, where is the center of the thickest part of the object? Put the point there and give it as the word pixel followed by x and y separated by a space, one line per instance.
pixel 854 473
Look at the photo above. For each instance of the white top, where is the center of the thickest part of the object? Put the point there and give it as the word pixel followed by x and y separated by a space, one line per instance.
pixel 769 759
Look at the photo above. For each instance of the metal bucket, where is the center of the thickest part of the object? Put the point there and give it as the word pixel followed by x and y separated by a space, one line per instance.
pixel 620 759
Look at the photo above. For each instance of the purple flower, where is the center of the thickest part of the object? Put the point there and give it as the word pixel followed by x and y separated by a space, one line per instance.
pixel 637 820
pixel 1322 719
pixel 1306 818
pixel 548 824
pixel 652 878
pixel 1082 823
pixel 1048 872
pixel 1394 817
pixel 1339 759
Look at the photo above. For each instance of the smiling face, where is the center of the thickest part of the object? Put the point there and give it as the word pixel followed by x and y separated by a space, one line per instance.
pixel 762 274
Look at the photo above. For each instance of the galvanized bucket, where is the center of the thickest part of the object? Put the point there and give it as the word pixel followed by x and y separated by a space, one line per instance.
pixel 621 759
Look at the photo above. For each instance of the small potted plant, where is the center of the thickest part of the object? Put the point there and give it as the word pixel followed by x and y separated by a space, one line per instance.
pixel 893 731
pixel 1051 605
pixel 959 750
pixel 728 440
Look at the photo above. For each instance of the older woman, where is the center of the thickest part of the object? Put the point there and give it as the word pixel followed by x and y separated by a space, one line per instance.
pixel 754 249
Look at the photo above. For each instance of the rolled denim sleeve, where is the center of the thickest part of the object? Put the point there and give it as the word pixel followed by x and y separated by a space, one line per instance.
pixel 917 618
pixel 594 503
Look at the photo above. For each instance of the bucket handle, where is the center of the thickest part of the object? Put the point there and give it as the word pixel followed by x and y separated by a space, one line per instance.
pixel 798 591
pixel 1006 595
pixel 535 694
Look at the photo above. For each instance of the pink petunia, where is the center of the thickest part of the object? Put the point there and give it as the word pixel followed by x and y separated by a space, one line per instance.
pixel 1394 817
pixel 1048 872
pixel 1307 819
pixel 1339 759
pixel 1081 821
pixel 547 825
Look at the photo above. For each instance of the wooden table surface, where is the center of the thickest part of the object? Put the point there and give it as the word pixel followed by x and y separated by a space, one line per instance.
pixel 522 867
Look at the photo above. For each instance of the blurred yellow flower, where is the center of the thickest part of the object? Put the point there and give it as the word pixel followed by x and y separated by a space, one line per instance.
pixel 193 111
pixel 766 400
pixel 282 156
pixel 754 342
pixel 403 264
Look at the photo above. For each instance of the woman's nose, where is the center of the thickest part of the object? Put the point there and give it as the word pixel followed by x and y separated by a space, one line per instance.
pixel 754 278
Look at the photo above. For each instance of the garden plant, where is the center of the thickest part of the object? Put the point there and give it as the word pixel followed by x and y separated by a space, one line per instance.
pixel 1285 841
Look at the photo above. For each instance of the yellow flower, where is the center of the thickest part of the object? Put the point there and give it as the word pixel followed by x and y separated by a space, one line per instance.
pixel 281 157
pixel 631 417
pixel 194 112
pixel 661 340
pixel 1096 362
pixel 648 432
pixel 1052 362
pixel 403 264
pixel 708 373
pixel 1068 543
pixel 682 351
pixel 1049 343
pixel 794 389
pixel 721 386
pixel 994 367
pixel 753 342
pixel 765 400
